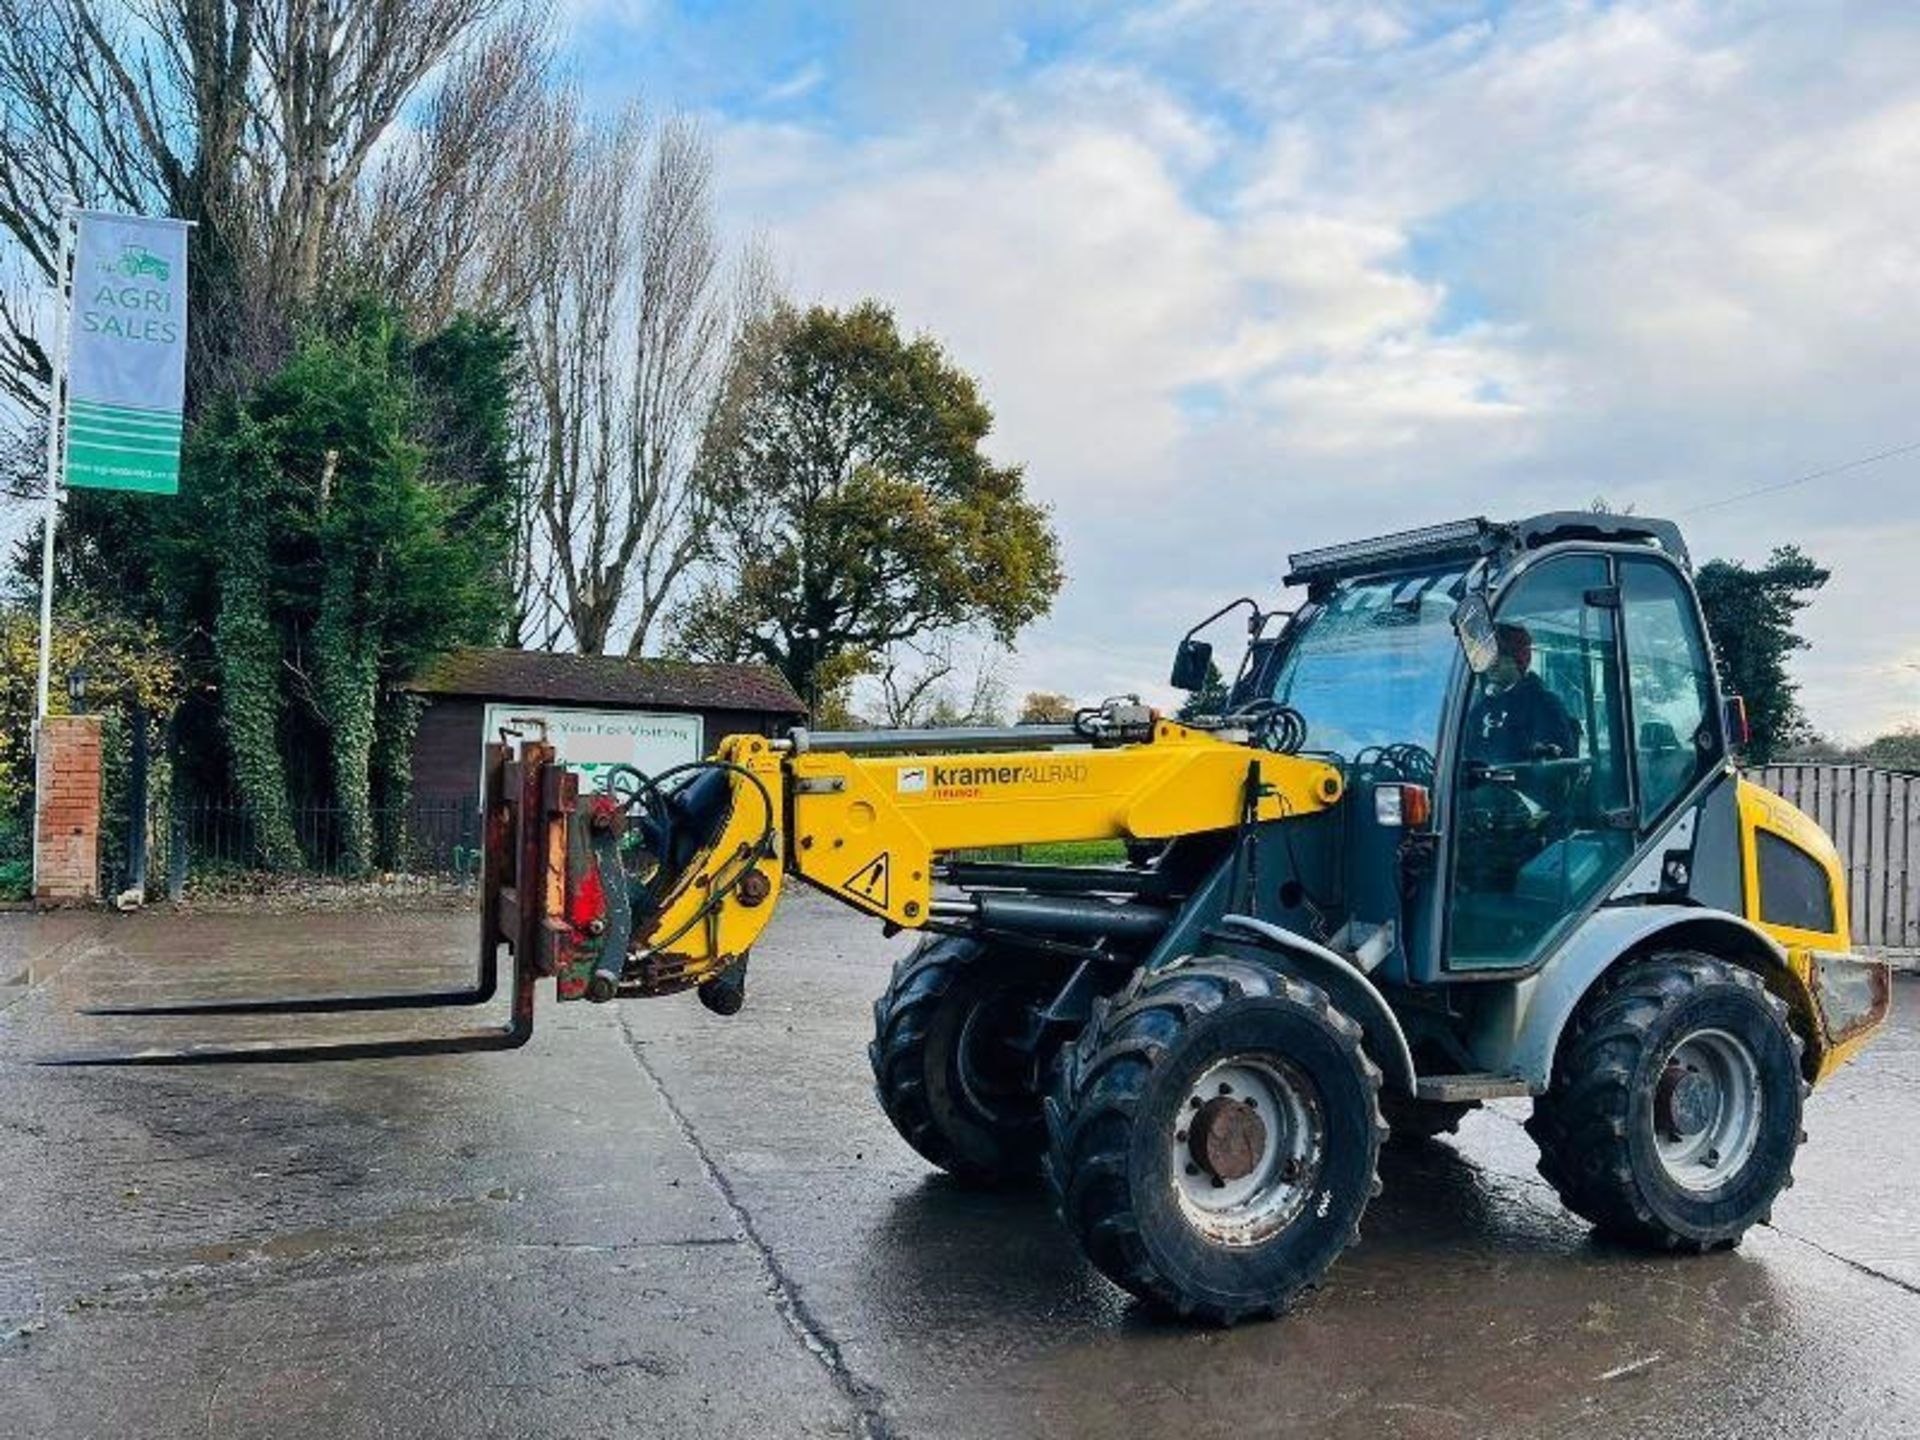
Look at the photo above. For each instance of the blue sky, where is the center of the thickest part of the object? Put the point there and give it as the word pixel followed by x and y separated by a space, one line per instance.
pixel 1243 278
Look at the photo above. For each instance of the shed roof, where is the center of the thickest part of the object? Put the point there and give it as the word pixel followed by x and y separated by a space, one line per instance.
pixel 608 680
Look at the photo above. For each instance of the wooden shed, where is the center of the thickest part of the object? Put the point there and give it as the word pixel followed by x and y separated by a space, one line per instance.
pixel 600 710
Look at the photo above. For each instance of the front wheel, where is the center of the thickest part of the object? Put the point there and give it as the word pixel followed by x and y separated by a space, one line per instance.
pixel 1675 1107
pixel 1213 1136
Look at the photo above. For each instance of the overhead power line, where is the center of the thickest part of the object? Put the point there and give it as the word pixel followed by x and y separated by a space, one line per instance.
pixel 1778 485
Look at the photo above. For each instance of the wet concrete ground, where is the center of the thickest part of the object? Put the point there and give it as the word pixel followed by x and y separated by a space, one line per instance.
pixel 656 1222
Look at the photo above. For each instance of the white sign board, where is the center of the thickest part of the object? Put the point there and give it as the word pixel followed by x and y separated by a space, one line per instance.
pixel 589 742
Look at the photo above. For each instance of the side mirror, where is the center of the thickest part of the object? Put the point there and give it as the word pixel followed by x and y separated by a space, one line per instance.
pixel 1473 625
pixel 1190 664
pixel 1739 731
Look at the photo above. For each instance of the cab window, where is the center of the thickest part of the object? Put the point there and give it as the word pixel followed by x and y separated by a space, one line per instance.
pixel 1369 665
pixel 1670 684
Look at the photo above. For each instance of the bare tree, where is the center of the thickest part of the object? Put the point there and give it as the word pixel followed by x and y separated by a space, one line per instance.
pixel 626 331
pixel 909 692
pixel 337 73
pixel 256 119
pixel 931 684
pixel 441 217
pixel 104 111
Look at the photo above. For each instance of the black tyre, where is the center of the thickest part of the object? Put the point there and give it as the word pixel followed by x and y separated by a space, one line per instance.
pixel 1177 1187
pixel 952 1056
pixel 1674 1111
pixel 1411 1121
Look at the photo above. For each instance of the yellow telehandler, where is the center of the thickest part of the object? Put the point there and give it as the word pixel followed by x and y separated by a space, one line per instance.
pixel 1468 826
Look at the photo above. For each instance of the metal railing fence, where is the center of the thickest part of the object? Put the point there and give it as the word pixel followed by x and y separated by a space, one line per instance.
pixel 425 837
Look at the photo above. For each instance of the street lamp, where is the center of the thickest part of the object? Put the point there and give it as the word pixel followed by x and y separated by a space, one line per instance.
pixel 77 689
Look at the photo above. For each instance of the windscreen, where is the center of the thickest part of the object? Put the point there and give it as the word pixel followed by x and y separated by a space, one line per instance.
pixel 1369 666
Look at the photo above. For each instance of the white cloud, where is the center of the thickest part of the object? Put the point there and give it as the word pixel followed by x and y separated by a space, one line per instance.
pixel 800 83
pixel 1241 278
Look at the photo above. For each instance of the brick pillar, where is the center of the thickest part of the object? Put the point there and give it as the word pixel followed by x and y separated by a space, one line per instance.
pixel 67 805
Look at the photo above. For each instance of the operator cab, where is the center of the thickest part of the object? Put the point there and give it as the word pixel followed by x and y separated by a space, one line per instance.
pixel 1518 709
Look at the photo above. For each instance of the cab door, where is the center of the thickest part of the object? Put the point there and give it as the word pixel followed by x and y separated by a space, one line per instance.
pixel 1542 793
pixel 1671 695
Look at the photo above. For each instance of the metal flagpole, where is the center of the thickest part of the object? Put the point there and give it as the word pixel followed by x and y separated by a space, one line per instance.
pixel 61 280
pixel 54 439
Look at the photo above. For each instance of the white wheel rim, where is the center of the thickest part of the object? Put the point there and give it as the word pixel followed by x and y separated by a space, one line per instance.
pixel 1244 1209
pixel 1706 1109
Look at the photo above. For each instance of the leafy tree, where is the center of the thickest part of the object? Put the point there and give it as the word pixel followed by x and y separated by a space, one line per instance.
pixel 853 506
pixel 1896 750
pixel 131 679
pixel 1751 614
pixel 319 151
pixel 338 526
pixel 1209 699
pixel 1045 707
pixel 127 667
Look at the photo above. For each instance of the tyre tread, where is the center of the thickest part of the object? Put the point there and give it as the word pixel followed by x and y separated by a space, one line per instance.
pixel 1582 1124
pixel 1104 1077
pixel 903 1019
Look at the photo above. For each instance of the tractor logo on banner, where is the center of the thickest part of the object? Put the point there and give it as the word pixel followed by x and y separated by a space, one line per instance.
pixel 139 263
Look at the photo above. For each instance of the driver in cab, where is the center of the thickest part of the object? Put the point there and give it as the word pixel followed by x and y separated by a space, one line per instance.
pixel 1510 807
pixel 1513 804
pixel 1518 718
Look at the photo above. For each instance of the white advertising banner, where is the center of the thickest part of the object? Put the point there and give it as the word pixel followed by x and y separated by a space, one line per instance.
pixel 589 742
pixel 126 372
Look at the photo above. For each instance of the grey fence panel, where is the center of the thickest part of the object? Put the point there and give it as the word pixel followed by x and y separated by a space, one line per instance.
pixel 1873 816
pixel 1874 897
pixel 1903 814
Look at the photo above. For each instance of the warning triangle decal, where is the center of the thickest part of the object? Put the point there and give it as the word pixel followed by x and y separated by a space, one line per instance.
pixel 869 882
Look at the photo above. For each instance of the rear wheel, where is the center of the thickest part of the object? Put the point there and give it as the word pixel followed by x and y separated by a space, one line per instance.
pixel 1213 1136
pixel 954 1056
pixel 1675 1108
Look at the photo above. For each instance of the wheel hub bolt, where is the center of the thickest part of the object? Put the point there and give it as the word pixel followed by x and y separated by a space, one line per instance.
pixel 1227 1140
pixel 1684 1102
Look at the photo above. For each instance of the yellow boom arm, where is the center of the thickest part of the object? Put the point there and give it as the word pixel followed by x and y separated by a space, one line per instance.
pixel 866 828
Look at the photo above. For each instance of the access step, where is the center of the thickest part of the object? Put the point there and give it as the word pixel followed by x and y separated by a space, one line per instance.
pixel 1475 1086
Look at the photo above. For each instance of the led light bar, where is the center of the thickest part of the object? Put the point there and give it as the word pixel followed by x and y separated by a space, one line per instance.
pixel 1455 540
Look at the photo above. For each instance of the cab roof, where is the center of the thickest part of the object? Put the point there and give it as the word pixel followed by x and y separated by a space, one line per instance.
pixel 1464 541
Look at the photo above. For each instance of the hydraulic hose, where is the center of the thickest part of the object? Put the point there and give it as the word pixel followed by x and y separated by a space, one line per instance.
pixel 649 789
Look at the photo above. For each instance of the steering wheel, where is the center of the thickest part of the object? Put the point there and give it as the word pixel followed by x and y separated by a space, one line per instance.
pixel 1499 809
pixel 1509 772
pixel 1554 764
